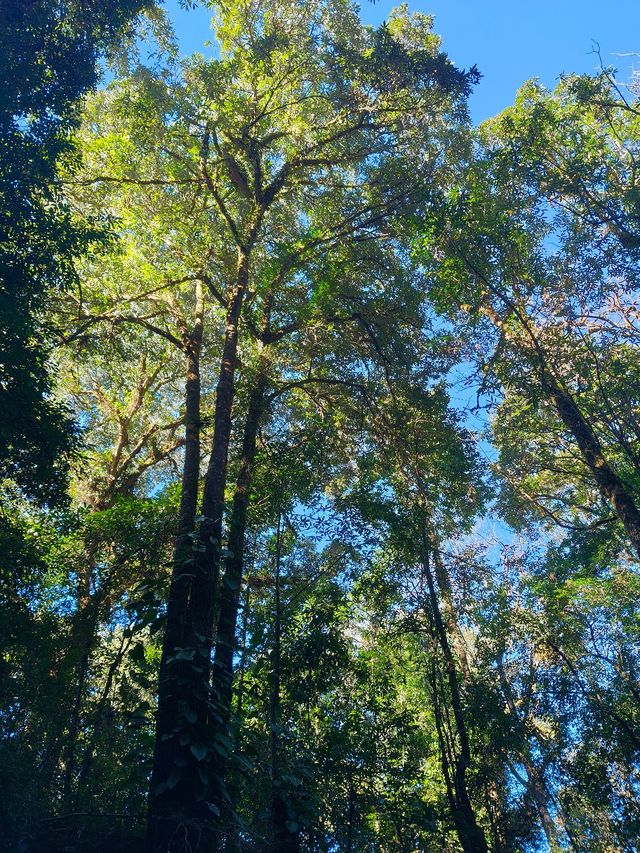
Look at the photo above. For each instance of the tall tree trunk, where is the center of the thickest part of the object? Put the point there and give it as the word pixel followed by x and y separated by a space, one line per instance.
pixel 81 643
pixel 534 782
pixel 62 743
pixel 81 646
pixel 609 483
pixel 449 610
pixel 229 596
pixel 283 840
pixel 450 620
pixel 99 716
pixel 207 563
pixel 495 807
pixel 232 836
pixel 455 757
pixel 243 645
pixel 229 593
pixel 185 789
pixel 171 795
pixel 233 842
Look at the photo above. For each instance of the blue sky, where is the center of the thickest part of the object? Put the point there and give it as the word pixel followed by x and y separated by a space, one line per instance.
pixel 508 41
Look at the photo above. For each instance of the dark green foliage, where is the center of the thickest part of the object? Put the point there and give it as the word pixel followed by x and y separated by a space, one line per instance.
pixel 430 607
pixel 80 619
pixel 49 51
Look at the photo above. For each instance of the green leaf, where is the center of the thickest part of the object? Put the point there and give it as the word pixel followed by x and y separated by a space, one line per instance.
pixel 174 778
pixel 199 752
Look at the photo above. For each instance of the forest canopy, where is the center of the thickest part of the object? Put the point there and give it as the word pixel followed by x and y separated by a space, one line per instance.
pixel 319 441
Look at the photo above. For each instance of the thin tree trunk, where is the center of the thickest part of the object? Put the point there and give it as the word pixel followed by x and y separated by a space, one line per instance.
pixel 203 603
pixel 274 701
pixel 282 839
pixel 82 638
pixel 469 834
pixel 99 716
pixel 350 816
pixel 450 620
pixel 229 596
pixel 62 746
pixel 229 593
pixel 243 647
pixel 535 784
pixel 452 624
pixel 495 812
pixel 82 641
pixel 232 843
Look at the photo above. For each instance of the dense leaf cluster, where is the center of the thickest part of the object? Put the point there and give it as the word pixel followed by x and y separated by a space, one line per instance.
pixel 346 555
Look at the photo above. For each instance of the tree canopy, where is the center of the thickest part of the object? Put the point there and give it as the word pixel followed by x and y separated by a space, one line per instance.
pixel 320 446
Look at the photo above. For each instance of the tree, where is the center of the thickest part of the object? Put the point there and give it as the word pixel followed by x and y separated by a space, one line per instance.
pixel 527 193
pixel 368 625
pixel 50 51
pixel 256 129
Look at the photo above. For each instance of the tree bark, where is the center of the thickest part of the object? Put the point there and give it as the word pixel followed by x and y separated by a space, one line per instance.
pixel 207 563
pixel 283 840
pixel 185 790
pixel 469 834
pixel 171 799
pixel 609 483
pixel 229 596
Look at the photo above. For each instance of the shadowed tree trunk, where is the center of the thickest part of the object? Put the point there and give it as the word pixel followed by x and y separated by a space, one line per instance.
pixel 100 714
pixel 455 751
pixel 169 803
pixel 283 840
pixel 207 563
pixel 81 643
pixel 185 785
pixel 611 486
pixel 229 595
